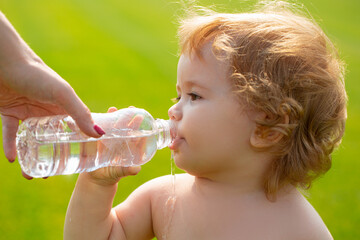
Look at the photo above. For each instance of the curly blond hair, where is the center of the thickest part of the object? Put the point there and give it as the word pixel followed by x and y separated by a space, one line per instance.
pixel 283 64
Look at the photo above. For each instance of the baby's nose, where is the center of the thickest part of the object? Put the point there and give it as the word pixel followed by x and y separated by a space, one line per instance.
pixel 174 113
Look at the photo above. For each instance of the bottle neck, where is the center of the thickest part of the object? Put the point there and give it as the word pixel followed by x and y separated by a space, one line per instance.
pixel 166 130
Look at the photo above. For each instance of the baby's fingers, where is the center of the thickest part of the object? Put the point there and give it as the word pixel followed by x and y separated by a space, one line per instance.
pixel 112 109
pixel 135 123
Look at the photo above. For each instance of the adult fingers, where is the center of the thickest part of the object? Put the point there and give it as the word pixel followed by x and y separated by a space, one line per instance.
pixel 26 176
pixel 9 129
pixel 67 99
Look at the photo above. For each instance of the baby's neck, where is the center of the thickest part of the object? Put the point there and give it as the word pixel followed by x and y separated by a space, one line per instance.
pixel 210 187
pixel 237 179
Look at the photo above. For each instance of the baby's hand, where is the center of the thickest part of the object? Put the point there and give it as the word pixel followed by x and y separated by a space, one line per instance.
pixel 111 175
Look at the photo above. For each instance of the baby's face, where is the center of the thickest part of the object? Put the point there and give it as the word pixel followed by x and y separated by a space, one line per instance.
pixel 213 129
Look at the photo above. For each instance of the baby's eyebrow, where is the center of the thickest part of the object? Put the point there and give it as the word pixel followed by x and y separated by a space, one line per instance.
pixel 192 83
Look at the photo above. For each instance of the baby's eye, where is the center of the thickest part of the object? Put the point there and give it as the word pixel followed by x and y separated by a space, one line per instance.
pixel 175 100
pixel 194 96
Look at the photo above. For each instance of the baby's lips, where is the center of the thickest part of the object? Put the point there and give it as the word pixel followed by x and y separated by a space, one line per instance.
pixel 173 130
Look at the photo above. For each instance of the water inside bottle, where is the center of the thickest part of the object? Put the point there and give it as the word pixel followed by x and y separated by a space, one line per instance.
pixel 65 156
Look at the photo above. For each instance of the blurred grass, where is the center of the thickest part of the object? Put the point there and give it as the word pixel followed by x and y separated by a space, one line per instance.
pixel 122 53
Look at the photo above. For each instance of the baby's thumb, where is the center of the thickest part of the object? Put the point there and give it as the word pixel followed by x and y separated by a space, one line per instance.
pixel 133 170
pixel 117 172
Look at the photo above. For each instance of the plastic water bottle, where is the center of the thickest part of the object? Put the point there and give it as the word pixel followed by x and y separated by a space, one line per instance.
pixel 54 145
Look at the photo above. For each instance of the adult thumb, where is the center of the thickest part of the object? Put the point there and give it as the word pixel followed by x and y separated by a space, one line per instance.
pixel 73 105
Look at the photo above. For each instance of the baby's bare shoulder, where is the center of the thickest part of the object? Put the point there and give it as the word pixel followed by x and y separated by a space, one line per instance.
pixel 301 219
pixel 167 182
pixel 166 186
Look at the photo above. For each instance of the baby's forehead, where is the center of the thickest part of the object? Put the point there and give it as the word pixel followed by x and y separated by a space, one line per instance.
pixel 206 57
pixel 207 54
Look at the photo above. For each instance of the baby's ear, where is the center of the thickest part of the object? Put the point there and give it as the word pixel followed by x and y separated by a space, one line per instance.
pixel 263 136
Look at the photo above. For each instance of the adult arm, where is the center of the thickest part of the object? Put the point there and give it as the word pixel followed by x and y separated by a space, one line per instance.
pixel 29 88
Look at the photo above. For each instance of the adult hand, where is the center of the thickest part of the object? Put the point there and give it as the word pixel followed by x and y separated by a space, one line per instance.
pixel 29 88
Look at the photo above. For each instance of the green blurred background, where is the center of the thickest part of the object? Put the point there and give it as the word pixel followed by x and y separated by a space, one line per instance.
pixel 121 53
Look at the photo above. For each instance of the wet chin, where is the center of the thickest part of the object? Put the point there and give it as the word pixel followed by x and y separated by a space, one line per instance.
pixel 180 160
pixel 186 164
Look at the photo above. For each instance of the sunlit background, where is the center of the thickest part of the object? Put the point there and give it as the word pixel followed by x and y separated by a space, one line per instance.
pixel 122 53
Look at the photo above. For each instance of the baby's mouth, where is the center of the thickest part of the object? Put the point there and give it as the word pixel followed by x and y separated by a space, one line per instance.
pixel 177 140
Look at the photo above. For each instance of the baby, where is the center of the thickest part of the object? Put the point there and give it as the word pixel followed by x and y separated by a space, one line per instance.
pixel 261 105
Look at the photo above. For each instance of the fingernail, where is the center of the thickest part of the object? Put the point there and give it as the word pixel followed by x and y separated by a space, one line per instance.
pixel 99 130
pixel 11 160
